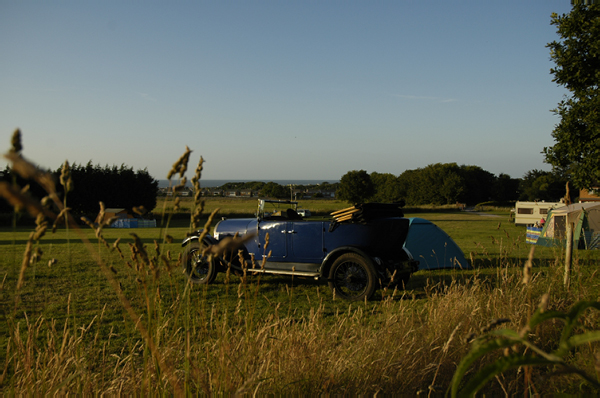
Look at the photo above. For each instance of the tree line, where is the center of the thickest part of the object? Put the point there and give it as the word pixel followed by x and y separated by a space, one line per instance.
pixel 449 183
pixel 573 157
pixel 437 184
pixel 274 190
pixel 115 186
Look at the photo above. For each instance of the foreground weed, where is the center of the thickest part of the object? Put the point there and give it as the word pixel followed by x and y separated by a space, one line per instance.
pixel 520 351
pixel 41 211
pixel 160 334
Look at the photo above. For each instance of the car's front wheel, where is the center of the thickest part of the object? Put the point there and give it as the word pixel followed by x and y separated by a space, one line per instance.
pixel 352 277
pixel 200 269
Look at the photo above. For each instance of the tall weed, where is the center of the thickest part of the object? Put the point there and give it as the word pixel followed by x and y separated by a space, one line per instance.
pixel 151 331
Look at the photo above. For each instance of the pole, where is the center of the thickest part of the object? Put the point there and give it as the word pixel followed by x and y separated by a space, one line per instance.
pixel 569 255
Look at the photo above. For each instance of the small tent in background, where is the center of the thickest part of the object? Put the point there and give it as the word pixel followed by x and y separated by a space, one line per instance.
pixel 586 221
pixel 113 213
pixel 432 247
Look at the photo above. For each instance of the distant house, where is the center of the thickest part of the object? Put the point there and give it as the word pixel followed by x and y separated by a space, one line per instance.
pixel 319 193
pixel 592 195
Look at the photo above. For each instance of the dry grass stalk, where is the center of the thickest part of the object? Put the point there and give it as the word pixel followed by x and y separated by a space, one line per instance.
pixel 65 177
pixel 25 262
pixel 528 266
pixel 180 166
pixel 62 217
pixel 22 201
pixel 179 187
pixel 198 202
pixel 227 245
pixel 15 142
pixel 388 346
pixel 18 199
pixel 141 210
pixel 29 171
pixel 196 180
pixel 99 226
pixel 116 247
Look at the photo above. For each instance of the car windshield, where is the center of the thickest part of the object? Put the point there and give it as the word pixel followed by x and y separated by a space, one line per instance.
pixel 271 209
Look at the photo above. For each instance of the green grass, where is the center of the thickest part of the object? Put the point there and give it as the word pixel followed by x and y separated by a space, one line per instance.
pixel 232 207
pixel 81 319
pixel 94 322
pixel 241 337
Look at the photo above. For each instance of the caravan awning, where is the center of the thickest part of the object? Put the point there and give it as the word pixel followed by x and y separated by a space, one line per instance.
pixel 585 218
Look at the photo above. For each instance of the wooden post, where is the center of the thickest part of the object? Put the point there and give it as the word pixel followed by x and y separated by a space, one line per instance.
pixel 569 255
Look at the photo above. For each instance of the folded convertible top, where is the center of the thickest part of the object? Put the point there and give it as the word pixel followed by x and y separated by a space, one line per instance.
pixel 365 212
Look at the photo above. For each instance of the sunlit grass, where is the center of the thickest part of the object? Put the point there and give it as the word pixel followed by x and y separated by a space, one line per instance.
pixel 88 321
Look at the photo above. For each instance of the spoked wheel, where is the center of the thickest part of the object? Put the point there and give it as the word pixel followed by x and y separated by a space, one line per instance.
pixel 196 266
pixel 353 277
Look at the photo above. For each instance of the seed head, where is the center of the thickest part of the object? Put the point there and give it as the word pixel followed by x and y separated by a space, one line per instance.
pixel 180 166
pixel 15 142
pixel 65 177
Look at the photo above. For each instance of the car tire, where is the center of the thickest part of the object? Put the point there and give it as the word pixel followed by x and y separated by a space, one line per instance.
pixel 352 277
pixel 197 267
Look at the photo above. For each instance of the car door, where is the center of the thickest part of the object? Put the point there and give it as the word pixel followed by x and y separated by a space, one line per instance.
pixel 305 241
pixel 277 231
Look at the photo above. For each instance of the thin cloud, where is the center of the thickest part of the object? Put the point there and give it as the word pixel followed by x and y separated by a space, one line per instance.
pixel 147 97
pixel 423 98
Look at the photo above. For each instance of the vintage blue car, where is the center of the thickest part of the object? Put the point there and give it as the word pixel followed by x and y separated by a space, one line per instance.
pixel 357 251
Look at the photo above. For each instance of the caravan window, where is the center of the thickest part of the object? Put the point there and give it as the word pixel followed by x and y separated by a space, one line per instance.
pixel 523 210
pixel 543 211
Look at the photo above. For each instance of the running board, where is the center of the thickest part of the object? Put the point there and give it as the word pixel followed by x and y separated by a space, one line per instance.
pixel 280 272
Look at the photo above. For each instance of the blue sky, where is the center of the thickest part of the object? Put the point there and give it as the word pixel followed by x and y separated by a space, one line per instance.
pixel 280 89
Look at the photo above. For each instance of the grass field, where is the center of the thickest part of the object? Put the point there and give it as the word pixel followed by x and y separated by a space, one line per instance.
pixel 245 206
pixel 93 322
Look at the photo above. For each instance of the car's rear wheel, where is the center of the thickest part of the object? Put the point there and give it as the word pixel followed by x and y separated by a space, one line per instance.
pixel 200 269
pixel 352 277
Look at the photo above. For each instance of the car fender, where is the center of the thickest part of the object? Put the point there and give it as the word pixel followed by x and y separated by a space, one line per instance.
pixel 332 256
pixel 208 239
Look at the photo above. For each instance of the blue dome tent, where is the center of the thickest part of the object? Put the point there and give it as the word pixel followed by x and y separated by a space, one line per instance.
pixel 432 247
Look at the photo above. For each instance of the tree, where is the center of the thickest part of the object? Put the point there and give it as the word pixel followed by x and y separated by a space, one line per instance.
pixel 409 183
pixel 577 59
pixel 355 187
pixel 505 188
pixel 478 185
pixel 542 185
pixel 387 188
pixel 445 181
pixel 274 190
pixel 437 184
pixel 120 187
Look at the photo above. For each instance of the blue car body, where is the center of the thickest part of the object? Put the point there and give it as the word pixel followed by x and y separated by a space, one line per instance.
pixel 281 242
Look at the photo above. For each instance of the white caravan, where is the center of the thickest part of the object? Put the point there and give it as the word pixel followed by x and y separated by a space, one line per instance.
pixel 529 213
